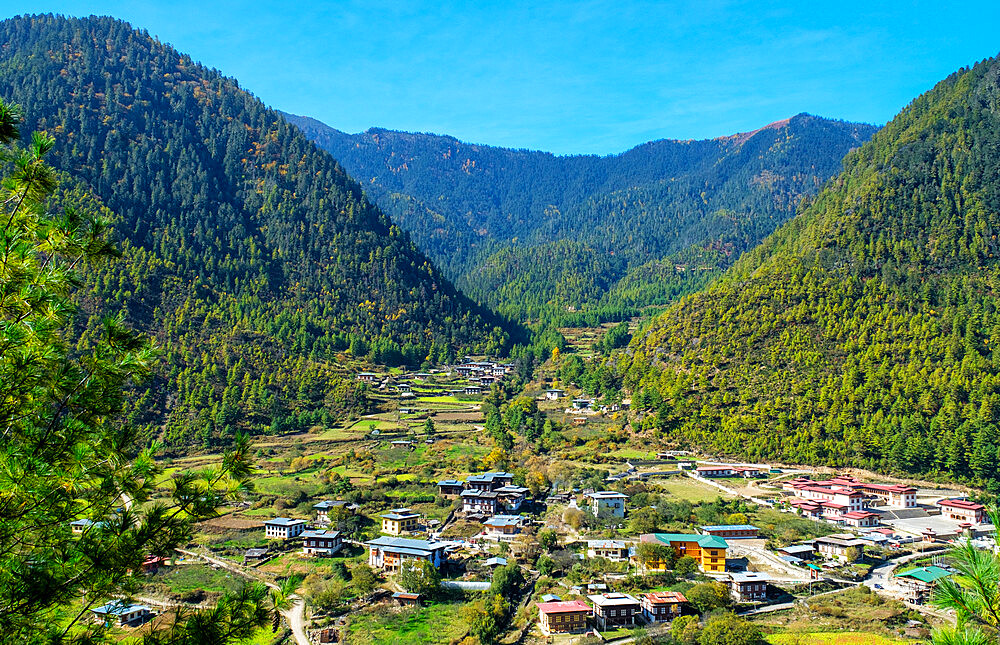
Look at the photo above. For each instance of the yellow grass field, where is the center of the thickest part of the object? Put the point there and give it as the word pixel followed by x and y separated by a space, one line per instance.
pixel 833 638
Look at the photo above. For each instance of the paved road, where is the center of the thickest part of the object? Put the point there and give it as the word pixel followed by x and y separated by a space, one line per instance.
pixel 295 615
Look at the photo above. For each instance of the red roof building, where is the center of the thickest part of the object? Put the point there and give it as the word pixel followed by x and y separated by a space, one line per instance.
pixel 963 510
pixel 565 617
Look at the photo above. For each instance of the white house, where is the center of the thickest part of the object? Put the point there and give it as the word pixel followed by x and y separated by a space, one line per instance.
pixel 607 503
pixel 283 528
pixel 122 613
pixel 614 550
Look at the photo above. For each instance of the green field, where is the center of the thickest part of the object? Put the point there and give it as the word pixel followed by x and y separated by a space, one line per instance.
pixel 835 638
pixel 383 625
pixel 689 489
pixel 193 577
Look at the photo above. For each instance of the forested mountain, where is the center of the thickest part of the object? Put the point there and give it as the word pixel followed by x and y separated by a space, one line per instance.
pixel 248 252
pixel 478 209
pixel 864 331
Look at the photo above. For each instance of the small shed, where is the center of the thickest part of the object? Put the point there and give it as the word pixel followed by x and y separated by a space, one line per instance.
pixel 406 599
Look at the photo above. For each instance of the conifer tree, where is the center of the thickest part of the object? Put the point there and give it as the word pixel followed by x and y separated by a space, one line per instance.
pixel 64 456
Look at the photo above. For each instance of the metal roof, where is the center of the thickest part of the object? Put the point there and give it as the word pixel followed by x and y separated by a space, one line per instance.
pixel 284 521
pixel 321 534
pixel 704 541
pixel 612 599
pixel 925 574
pixel 406 545
pixel 730 527
pixel 118 607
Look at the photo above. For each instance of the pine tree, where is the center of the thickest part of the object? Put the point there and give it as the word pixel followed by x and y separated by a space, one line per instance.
pixel 64 454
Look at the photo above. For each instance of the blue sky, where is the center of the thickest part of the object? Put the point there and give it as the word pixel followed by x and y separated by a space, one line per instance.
pixel 570 77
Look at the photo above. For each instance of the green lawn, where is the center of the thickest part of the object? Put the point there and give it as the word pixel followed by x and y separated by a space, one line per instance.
pixel 689 489
pixel 386 625
pixel 191 577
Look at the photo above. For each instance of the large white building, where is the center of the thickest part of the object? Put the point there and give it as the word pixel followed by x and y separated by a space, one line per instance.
pixel 283 528
pixel 390 553
pixel 607 503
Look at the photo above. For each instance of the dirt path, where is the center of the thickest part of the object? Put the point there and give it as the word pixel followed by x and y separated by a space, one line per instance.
pixel 295 615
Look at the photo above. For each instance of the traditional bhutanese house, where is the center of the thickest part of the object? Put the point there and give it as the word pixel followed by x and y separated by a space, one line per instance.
pixel 367 377
pixel 324 508
pixel 851 500
pixel 607 503
pixel 859 519
pixel 283 528
pixel 563 617
pixel 325 543
pixel 709 551
pixel 480 502
pixel 582 404
pixel 662 606
pixel 503 527
pixel 473 389
pixel 615 609
pixel 748 472
pixel 807 508
pixel 731 531
pixel 614 550
pixel 153 563
pixel 553 394
pixel 489 481
pixel 511 497
pixel 450 487
pixel 406 599
pixel 389 553
pixel 748 587
pixel 715 471
pixel 918 583
pixel 836 546
pixel 963 510
pixel 891 494
pixel 119 612
pixel 799 551
pixel 399 520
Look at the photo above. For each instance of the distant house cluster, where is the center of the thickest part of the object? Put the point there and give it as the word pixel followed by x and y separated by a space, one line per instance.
pixel 316 541
pixel 485 495
pixel 846 500
pixel 608 610
pixel 483 373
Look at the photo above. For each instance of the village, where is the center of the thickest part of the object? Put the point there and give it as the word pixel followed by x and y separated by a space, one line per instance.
pixel 603 553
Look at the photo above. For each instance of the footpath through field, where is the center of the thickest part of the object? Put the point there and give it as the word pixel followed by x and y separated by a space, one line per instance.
pixel 295 614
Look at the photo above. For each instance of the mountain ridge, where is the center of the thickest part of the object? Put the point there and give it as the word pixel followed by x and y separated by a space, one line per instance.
pixel 257 262
pixel 470 206
pixel 862 331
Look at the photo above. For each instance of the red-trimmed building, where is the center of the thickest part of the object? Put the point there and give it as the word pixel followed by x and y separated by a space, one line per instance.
pixel 963 510
pixel 859 518
pixel 715 471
